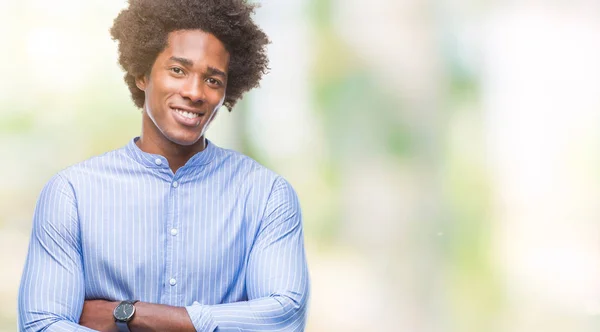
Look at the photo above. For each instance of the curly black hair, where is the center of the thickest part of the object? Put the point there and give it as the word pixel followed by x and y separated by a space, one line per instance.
pixel 142 30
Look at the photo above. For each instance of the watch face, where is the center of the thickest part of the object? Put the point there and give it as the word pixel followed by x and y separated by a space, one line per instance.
pixel 124 311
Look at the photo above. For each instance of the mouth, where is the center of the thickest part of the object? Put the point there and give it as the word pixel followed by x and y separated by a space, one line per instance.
pixel 187 113
pixel 187 117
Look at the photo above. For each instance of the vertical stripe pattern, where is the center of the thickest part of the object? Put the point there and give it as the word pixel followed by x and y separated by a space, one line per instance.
pixel 222 237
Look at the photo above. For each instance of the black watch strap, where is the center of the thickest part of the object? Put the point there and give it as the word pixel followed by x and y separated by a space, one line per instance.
pixel 122 326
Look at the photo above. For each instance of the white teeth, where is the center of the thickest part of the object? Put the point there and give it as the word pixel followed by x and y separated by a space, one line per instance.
pixel 187 114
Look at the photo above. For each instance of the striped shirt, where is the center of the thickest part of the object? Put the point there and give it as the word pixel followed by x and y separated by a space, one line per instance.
pixel 221 237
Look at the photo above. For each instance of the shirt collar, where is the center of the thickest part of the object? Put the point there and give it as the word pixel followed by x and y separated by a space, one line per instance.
pixel 157 161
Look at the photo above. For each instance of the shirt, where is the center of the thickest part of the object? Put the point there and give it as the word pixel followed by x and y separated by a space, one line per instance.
pixel 221 237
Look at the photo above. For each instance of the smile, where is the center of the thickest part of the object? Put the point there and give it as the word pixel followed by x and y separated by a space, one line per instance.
pixel 186 114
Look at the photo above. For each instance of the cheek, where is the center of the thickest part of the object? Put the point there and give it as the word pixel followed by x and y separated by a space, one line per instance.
pixel 157 94
pixel 153 105
pixel 217 97
pixel 168 85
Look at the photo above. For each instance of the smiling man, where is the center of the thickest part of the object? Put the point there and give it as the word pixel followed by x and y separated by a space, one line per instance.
pixel 171 232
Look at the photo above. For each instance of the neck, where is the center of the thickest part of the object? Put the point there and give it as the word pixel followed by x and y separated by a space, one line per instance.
pixel 153 141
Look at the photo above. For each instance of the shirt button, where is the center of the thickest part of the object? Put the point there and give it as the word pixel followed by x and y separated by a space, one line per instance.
pixel 174 231
pixel 175 184
pixel 158 162
pixel 173 282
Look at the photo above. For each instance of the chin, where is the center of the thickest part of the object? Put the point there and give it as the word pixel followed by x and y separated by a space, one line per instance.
pixel 184 139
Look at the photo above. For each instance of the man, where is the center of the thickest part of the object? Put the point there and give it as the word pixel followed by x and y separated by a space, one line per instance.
pixel 170 232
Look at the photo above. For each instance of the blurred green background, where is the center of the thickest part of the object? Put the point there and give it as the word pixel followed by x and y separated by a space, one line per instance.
pixel 445 153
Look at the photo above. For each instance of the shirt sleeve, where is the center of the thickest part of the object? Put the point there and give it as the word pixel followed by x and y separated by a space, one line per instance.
pixel 51 293
pixel 277 277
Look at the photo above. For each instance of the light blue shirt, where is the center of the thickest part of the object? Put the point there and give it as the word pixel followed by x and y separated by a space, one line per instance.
pixel 222 237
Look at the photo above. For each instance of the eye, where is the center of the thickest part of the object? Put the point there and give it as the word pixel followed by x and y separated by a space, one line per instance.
pixel 213 81
pixel 176 70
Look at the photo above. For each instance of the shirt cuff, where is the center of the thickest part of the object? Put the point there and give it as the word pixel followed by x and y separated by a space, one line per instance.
pixel 201 318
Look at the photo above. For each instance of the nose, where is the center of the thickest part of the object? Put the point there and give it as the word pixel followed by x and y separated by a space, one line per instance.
pixel 193 90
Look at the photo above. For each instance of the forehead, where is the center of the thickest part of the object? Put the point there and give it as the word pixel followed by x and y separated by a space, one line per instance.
pixel 202 48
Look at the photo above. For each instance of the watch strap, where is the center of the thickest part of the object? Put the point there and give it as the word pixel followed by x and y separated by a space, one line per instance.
pixel 122 326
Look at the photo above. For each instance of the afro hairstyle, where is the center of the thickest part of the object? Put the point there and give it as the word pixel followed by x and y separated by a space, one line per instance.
pixel 142 30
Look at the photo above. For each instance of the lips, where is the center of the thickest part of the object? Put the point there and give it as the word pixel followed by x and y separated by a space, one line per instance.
pixel 186 116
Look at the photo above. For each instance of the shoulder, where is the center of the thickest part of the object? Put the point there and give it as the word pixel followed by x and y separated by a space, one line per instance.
pixel 248 169
pixel 99 165
pixel 255 176
pixel 58 185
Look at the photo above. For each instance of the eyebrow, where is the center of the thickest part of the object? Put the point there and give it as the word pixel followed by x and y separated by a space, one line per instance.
pixel 216 72
pixel 183 61
pixel 190 63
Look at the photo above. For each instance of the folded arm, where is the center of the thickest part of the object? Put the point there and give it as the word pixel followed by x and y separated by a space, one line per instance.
pixel 277 278
pixel 51 296
pixel 52 287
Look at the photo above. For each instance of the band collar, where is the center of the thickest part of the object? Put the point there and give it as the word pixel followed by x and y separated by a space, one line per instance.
pixel 157 161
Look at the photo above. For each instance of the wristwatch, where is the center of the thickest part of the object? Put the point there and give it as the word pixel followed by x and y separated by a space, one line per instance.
pixel 123 313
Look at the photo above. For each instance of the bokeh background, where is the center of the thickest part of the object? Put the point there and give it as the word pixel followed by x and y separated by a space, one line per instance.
pixel 446 153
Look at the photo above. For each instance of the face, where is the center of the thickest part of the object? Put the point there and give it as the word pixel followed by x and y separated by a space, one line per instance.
pixel 185 88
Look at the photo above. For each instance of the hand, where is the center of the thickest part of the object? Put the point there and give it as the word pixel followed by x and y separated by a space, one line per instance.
pixel 98 315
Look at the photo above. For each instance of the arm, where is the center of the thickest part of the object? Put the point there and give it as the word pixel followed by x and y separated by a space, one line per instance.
pixel 98 314
pixel 277 277
pixel 52 286
pixel 276 280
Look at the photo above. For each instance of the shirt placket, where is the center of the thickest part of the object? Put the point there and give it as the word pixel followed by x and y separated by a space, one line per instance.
pixel 170 294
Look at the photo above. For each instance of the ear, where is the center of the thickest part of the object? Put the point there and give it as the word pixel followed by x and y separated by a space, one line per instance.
pixel 141 82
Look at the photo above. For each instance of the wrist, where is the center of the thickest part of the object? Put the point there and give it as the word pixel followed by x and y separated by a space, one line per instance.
pixel 135 322
pixel 143 318
pixel 158 317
